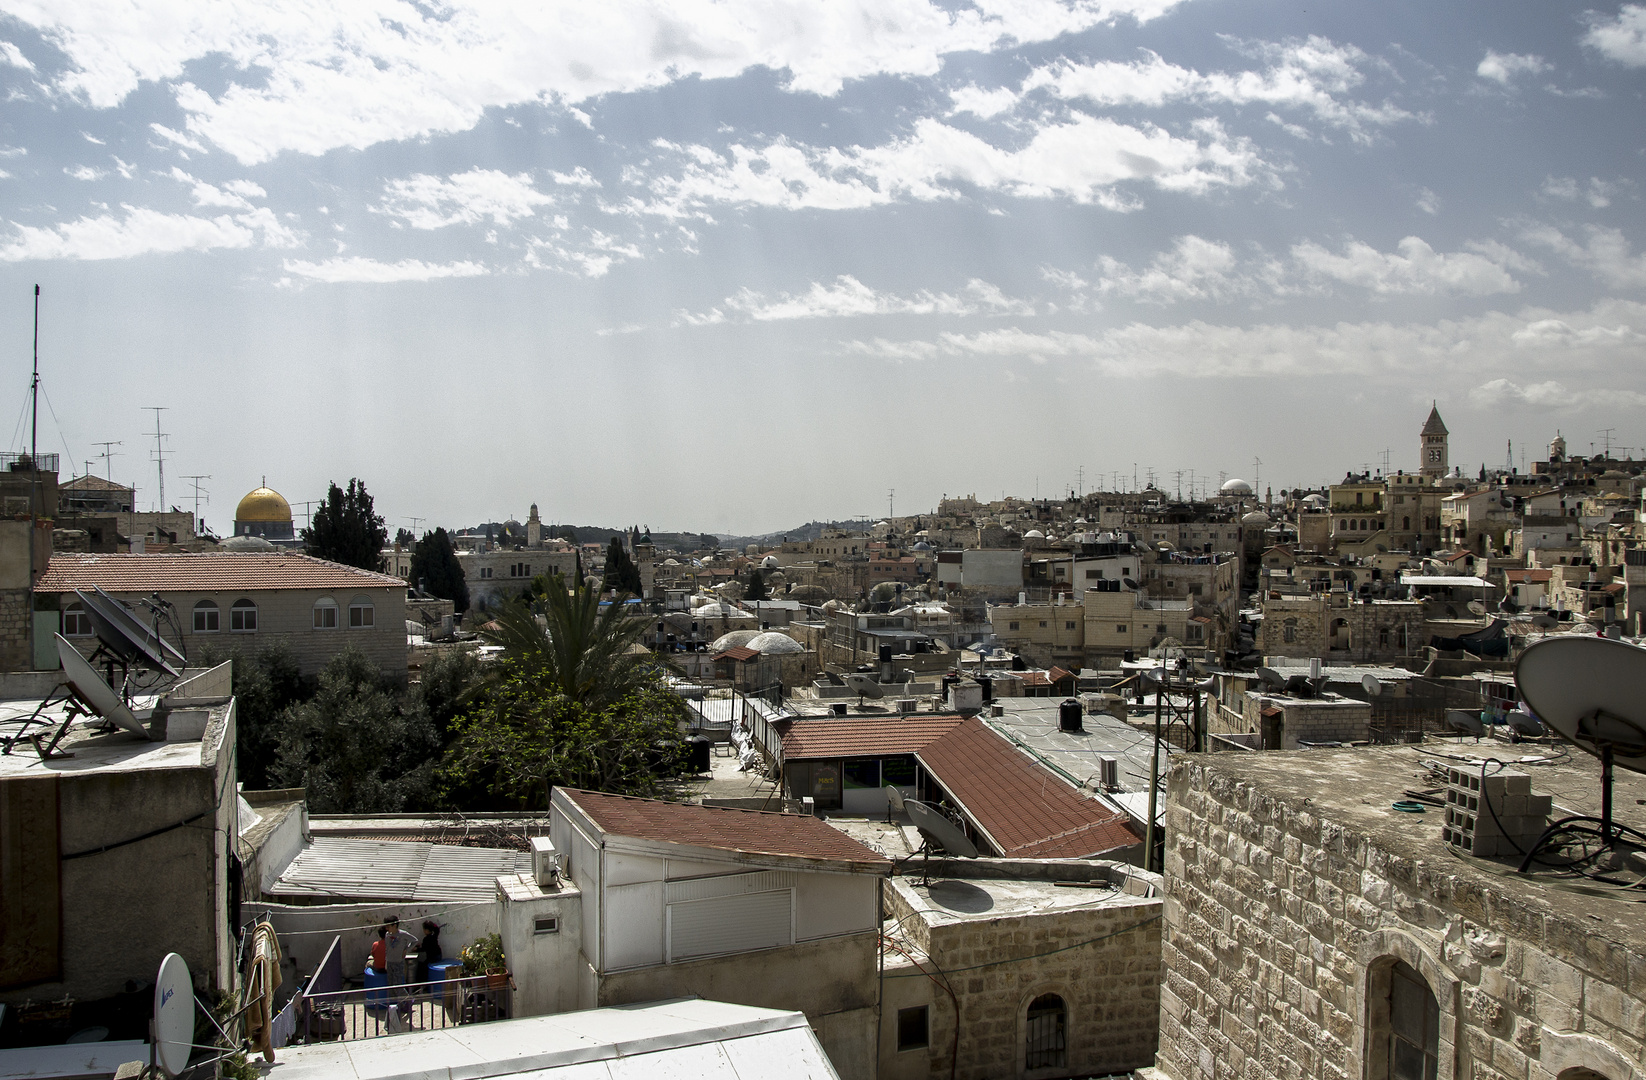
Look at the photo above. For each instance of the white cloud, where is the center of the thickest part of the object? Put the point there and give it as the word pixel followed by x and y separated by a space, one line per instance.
pixel 234 195
pixel 1502 68
pixel 1551 395
pixel 89 137
pixel 1193 269
pixel 12 56
pixel 370 271
pixel 1596 192
pixel 428 202
pixel 983 103
pixel 317 76
pixel 1413 268
pixel 177 138
pixel 1603 337
pixel 1314 74
pixel 1622 39
pixel 846 297
pixel 578 177
pixel 1428 201
pixel 1083 159
pixel 1606 254
pixel 84 172
pixel 593 259
pixel 143 232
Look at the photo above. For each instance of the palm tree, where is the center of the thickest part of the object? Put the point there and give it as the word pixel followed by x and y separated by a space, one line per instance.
pixel 579 651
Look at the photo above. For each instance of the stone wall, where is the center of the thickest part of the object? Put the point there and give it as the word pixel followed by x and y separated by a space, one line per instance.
pixel 1103 959
pixel 1278 917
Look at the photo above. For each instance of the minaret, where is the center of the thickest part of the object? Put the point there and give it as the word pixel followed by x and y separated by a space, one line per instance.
pixel 534 528
pixel 1433 459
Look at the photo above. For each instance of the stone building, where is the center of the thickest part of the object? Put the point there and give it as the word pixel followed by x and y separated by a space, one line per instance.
pixel 1313 932
pixel 1336 625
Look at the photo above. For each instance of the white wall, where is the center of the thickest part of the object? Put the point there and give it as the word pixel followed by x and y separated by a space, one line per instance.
pixel 306 932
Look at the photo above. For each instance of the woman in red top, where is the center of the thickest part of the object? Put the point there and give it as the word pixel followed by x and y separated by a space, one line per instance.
pixel 379 959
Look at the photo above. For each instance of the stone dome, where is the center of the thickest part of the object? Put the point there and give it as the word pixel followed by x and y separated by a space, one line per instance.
pixel 1256 517
pixel 1314 500
pixel 769 562
pixel 263 504
pixel 246 543
pixel 831 606
pixel 771 643
pixel 922 546
pixel 1034 534
pixel 714 610
pixel 734 640
pixel 1236 487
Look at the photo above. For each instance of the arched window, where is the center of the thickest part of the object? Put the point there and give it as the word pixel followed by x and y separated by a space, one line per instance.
pixel 325 614
pixel 1581 1073
pixel 76 621
pixel 1403 1024
pixel 1047 1033
pixel 206 618
pixel 361 615
pixel 243 616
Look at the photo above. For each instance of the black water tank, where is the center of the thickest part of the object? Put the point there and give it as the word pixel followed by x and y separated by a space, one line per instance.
pixel 700 750
pixel 1068 715
pixel 885 654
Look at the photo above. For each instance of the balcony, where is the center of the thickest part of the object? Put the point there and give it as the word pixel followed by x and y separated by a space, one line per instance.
pixel 373 1011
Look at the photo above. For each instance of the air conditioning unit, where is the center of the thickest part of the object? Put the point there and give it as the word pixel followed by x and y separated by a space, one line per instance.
pixel 1108 773
pixel 907 705
pixel 545 862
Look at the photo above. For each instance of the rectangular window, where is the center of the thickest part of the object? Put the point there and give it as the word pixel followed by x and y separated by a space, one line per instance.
pixel 325 618
pixel 77 622
pixel 1042 624
pixel 1091 574
pixel 205 620
pixel 360 615
pixel 546 924
pixel 1120 628
pixel 913 1028
pixel 242 618
pixel 1011 626
pixel 1068 626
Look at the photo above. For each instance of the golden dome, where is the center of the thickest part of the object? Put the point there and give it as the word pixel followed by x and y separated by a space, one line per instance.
pixel 264 504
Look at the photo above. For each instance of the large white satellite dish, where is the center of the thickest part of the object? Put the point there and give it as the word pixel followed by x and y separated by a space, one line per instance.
pixel 1370 684
pixel 173 1032
pixel 939 830
pixel 91 691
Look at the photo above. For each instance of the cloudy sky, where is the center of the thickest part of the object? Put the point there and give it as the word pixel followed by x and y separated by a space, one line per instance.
pixel 730 265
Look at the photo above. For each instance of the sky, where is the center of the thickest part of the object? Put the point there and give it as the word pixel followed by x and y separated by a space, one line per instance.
pixel 734 265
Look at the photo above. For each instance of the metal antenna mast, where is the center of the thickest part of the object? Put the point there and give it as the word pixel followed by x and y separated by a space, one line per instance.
pixel 890 492
pixel 1257 475
pixel 159 452
pixel 197 479
pixel 107 453
pixel 1605 431
pixel 414 521
pixel 34 437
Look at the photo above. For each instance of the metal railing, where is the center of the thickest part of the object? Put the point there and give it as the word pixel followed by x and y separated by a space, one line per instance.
pixel 371 1011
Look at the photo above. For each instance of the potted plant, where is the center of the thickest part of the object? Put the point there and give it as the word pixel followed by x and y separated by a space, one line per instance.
pixel 484 956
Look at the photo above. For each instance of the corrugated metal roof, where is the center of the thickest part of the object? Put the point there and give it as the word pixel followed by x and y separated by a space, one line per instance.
pixel 204 571
pixel 346 866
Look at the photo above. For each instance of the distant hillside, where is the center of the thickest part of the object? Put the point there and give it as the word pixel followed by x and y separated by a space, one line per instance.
pixel 685 541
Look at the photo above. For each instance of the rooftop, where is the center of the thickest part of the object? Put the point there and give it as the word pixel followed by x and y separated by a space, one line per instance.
pixel 1033 724
pixel 1025 809
pixel 114 751
pixel 206 571
pixel 751 832
pixel 863 736
pixel 366 869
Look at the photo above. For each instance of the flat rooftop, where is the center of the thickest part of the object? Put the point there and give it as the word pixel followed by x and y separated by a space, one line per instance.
pixel 1356 787
pixel 958 900
pixel 1032 725
pixel 96 751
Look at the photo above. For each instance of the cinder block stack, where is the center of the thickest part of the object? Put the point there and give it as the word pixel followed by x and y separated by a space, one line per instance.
pixel 1470 825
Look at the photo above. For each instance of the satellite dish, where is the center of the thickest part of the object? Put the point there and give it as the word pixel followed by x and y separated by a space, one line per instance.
pixel 865 686
pixel 1587 690
pixel 1271 677
pixel 939 830
pixel 89 689
pixel 1524 723
pixel 1545 622
pixel 1476 607
pixel 894 798
pixel 1465 722
pixel 1129 583
pixel 1371 685
pixel 127 638
pixel 173 1015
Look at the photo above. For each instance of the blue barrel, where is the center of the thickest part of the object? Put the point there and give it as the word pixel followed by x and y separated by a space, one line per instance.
pixel 377 998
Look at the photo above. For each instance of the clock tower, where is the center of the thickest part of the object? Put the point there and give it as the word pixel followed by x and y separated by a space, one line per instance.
pixel 1433 461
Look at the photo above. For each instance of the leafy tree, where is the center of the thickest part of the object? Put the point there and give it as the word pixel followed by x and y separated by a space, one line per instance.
pixel 266 682
pixel 352 745
pixel 404 537
pixel 580 650
pixel 622 575
pixel 446 686
pixel 523 738
pixel 345 528
pixel 757 585
pixel 436 570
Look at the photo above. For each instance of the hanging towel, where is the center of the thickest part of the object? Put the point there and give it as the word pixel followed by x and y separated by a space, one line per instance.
pixel 260 988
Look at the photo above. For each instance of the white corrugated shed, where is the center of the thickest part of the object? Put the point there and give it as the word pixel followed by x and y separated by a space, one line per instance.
pixel 685 1039
pixel 342 866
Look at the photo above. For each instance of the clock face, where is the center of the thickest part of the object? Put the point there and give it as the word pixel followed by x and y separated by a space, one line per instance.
pixel 1434 456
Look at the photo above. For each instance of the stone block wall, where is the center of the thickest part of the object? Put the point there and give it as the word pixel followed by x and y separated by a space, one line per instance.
pixel 1103 959
pixel 1277 917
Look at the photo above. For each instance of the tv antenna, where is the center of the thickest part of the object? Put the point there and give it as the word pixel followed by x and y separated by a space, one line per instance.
pixel 415 521
pixel 159 452
pixel 1587 691
pixel 1605 433
pixel 108 473
pixel 197 479
pixel 890 492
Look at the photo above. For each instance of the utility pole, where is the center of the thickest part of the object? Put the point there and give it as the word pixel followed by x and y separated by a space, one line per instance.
pixel 197 479
pixel 159 453
pixel 108 473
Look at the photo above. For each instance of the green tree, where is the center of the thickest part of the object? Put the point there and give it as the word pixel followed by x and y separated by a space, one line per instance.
pixel 436 570
pixel 404 538
pixel 622 575
pixel 581 650
pixel 266 682
pixel 345 528
pixel 352 745
pixel 523 738
pixel 757 585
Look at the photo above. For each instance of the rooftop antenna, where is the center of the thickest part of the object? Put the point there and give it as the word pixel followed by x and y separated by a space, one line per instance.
pixel 890 492
pixel 1179 475
pixel 1510 464
pixel 415 521
pixel 108 473
pixel 1257 474
pixel 308 515
pixel 159 452
pixel 34 436
pixel 197 479
pixel 1605 432
pixel 1080 481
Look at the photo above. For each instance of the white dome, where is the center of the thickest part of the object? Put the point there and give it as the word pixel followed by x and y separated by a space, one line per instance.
pixel 1081 521
pixel 1236 487
pixel 1034 534
pixel 831 606
pixel 769 562
pixel 671 562
pixel 734 640
pixel 1315 500
pixel 771 643
pixel 721 611
pixel 1256 517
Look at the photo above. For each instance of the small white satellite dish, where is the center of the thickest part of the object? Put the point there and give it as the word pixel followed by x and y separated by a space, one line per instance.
pixel 91 691
pixel 1371 685
pixel 865 686
pixel 939 830
pixel 1476 607
pixel 1587 690
pixel 173 1031
pixel 1464 722
pixel 894 798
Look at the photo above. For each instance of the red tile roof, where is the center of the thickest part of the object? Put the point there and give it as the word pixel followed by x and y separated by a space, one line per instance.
pixel 92 483
pixel 738 652
pixel 1532 576
pixel 1026 810
pixel 207 571
pixel 754 832
pixel 863 736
